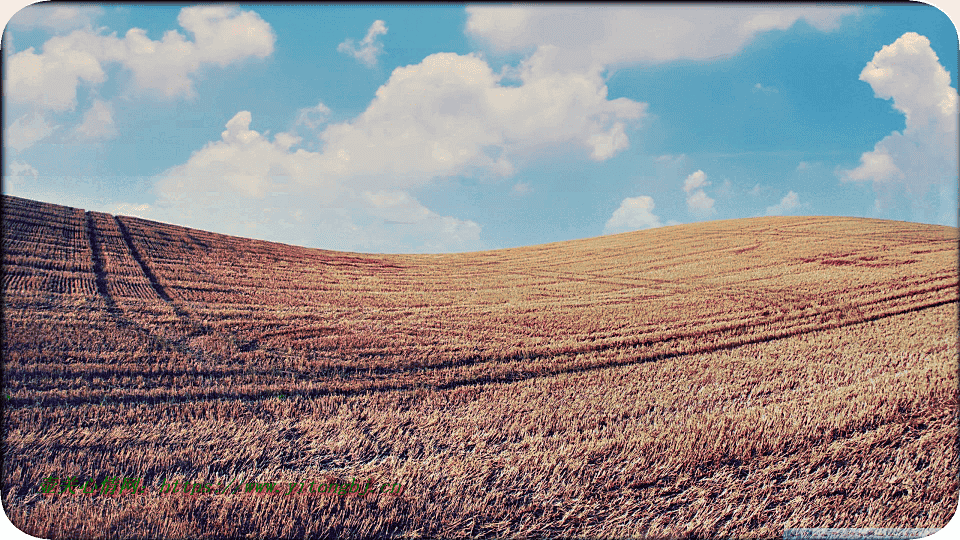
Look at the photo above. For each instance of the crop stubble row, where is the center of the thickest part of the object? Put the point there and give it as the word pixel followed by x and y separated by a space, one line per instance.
pixel 255 334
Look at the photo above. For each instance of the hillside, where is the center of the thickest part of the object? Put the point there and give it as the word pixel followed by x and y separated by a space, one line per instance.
pixel 721 378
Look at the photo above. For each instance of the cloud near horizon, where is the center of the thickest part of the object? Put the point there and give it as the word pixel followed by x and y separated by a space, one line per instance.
pixel 787 205
pixel 923 157
pixel 634 213
pixel 698 201
pixel 445 116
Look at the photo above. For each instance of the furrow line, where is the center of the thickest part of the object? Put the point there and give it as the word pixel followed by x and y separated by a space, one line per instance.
pixel 177 396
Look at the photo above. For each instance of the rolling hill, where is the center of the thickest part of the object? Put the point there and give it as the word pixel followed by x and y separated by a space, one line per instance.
pixel 726 378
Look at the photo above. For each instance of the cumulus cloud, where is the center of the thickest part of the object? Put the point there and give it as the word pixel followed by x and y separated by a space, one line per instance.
pixel 56 18
pixel 700 202
pixel 26 130
pixel 222 35
pixel 247 184
pixel 924 154
pixel 48 81
pixel 97 122
pixel 695 181
pixel 448 115
pixel 244 162
pixel 369 47
pixel 637 34
pixel 606 145
pixel 697 200
pixel 787 205
pixel 635 213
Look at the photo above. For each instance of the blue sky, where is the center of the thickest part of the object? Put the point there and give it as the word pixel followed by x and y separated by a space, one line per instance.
pixel 458 128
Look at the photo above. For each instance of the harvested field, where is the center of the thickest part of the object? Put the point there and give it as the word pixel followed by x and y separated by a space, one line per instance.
pixel 720 379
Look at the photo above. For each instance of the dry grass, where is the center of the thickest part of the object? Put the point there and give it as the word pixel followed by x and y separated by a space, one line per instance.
pixel 730 378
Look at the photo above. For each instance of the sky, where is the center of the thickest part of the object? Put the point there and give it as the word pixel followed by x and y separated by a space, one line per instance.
pixel 386 129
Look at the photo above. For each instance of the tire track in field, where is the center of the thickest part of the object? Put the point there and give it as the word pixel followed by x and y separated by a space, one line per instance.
pixel 167 395
pixel 738 333
pixel 197 327
pixel 135 254
pixel 98 270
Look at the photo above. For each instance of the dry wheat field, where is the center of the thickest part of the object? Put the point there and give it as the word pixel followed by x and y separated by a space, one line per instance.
pixel 720 379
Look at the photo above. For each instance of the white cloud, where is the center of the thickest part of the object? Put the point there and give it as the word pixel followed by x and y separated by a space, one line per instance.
pixel 637 34
pixel 635 213
pixel 135 210
pixel 97 122
pixel 449 115
pixel 765 89
pixel 56 18
pixel 695 181
pixel 19 176
pixel 27 130
pixel 244 162
pixel 222 35
pixel 20 168
pixel 924 155
pixel 787 205
pixel 49 81
pixel 369 47
pixel 246 184
pixel 606 145
pixel 521 188
pixel 446 116
pixel 313 117
pixel 697 200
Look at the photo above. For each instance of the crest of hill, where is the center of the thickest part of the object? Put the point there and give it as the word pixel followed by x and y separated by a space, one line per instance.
pixel 777 236
pixel 767 270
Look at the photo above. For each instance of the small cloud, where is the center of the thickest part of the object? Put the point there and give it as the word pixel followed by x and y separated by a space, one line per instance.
pixel 313 117
pixel 697 200
pixel 20 176
pixel 760 190
pixel 789 203
pixel 20 168
pixel 27 130
pixel 694 181
pixel 369 48
pixel 97 122
pixel 726 189
pixel 128 209
pixel 521 188
pixel 635 213
pixel 765 89
pixel 803 166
